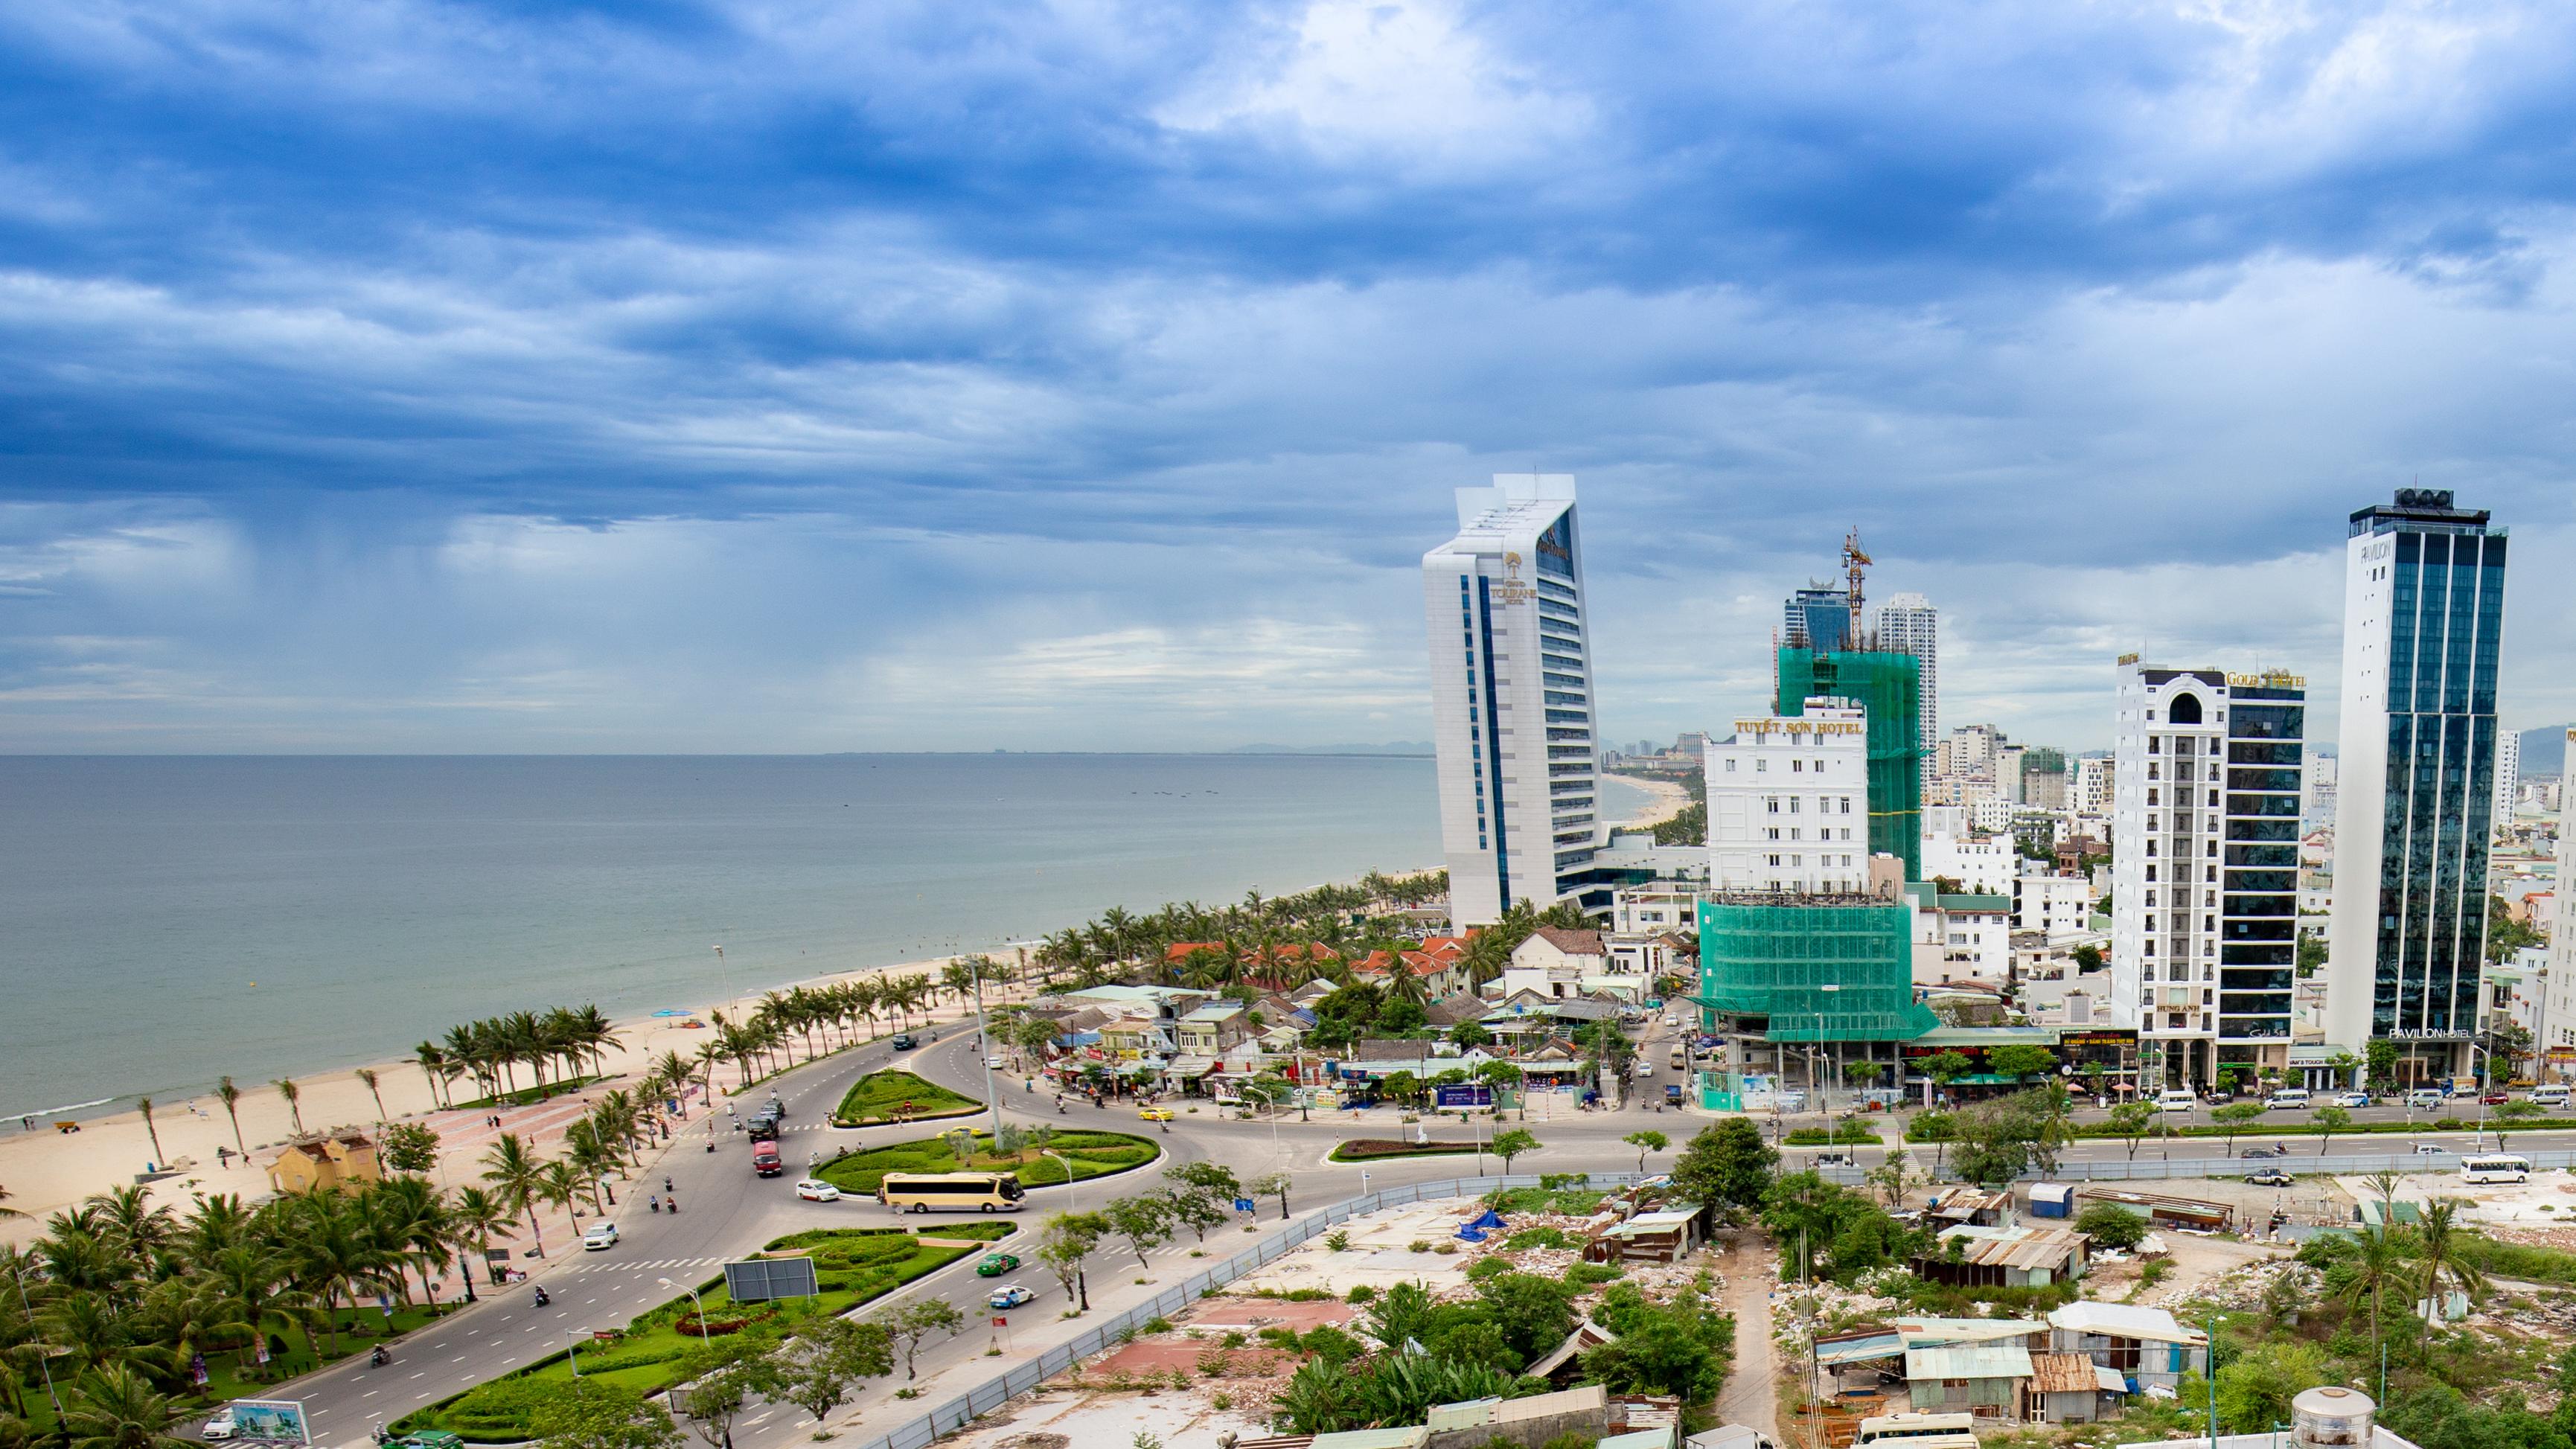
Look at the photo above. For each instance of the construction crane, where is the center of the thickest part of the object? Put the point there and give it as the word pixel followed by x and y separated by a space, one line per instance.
pixel 1854 561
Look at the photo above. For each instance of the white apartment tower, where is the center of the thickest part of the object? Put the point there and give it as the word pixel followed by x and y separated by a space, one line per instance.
pixel 1908 624
pixel 1511 697
pixel 1788 802
pixel 2556 1035
pixel 2508 780
pixel 2204 885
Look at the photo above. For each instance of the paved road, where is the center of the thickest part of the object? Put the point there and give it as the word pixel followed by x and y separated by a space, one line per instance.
pixel 727 1213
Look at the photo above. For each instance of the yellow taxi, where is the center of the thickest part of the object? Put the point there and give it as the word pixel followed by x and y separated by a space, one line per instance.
pixel 1156 1114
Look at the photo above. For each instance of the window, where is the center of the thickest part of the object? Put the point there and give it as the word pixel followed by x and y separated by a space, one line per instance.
pixel 1793 800
pixel 1774 832
pixel 1796 766
pixel 1761 767
pixel 1771 804
pixel 2155 744
pixel 1730 765
pixel 1846 804
pixel 2152 797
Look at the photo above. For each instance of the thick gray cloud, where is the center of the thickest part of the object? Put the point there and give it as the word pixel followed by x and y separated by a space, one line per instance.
pixel 442 376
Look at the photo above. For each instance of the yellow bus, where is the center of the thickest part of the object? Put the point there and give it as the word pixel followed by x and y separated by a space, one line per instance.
pixel 921 1192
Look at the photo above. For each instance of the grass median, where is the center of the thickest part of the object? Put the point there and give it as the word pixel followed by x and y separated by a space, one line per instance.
pixel 852 1266
pixel 1089 1154
pixel 892 1096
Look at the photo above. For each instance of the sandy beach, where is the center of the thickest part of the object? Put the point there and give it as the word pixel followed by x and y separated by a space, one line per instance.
pixel 43 1170
pixel 1669 799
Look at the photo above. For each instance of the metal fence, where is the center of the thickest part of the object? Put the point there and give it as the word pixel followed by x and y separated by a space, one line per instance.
pixel 2147 1167
pixel 991 1394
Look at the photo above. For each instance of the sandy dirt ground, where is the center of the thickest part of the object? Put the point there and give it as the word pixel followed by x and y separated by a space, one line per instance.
pixel 44 1170
pixel 1751 1396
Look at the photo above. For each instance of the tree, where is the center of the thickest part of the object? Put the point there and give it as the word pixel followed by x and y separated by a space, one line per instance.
pixel 1646 1142
pixel 907 1325
pixel 1947 1067
pixel 2129 1122
pixel 411 1147
pixel 1274 1184
pixel 593 1413
pixel 2234 1116
pixel 1891 1178
pixel 520 1179
pixel 150 1130
pixel 114 1408
pixel 1508 1145
pixel 1726 1165
pixel 292 1093
pixel 1401 1313
pixel 1995 1141
pixel 1533 1313
pixel 722 1382
pixel 1198 1209
pixel 1470 1034
pixel 2088 957
pixel 2020 1063
pixel 1319 1398
pixel 2381 1057
pixel 230 1096
pixel 1841 1232
pixel 2440 1242
pixel 367 1077
pixel 2110 1225
pixel 1678 1348
pixel 1145 1221
pixel 2511 1113
pixel 2328 1122
pixel 1066 1241
pixel 2255 1387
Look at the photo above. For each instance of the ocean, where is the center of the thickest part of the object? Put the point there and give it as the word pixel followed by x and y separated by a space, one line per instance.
pixel 166 920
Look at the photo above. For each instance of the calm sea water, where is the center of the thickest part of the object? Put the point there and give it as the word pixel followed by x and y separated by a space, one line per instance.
pixel 167 920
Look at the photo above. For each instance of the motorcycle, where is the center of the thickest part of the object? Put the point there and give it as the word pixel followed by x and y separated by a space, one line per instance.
pixel 672 1206
pixel 653 1204
pixel 542 1299
pixel 379 1358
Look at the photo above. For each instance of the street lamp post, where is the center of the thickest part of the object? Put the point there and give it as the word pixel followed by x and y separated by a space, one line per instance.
pixel 984 1047
pixel 1070 1203
pixel 19 1272
pixel 694 1302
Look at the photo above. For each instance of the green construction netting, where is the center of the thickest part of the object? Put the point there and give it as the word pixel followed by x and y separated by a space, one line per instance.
pixel 1890 688
pixel 1817 972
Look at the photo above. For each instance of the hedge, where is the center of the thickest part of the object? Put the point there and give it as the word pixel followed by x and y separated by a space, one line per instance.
pixel 878 1096
pixel 1369 1149
pixel 1092 1154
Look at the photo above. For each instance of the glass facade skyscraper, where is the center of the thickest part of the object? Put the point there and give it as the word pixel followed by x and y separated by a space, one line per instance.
pixel 2423 617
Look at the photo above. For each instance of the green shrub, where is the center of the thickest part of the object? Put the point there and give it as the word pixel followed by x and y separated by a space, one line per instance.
pixel 1541 1237
pixel 1585 1275
pixel 878 1096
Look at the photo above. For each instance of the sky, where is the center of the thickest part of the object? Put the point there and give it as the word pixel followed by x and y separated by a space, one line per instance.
pixel 388 376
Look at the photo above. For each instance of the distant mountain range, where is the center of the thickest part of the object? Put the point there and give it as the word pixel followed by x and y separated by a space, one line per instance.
pixel 2544 750
pixel 1394 747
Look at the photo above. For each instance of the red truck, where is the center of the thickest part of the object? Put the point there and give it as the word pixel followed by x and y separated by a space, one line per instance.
pixel 764 1160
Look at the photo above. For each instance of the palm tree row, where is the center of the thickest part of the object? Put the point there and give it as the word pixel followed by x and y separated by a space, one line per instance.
pixel 492 1050
pixel 123 1298
pixel 1109 946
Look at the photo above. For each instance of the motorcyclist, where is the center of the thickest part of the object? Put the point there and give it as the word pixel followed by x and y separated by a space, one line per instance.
pixel 652 1204
pixel 542 1299
pixel 380 1358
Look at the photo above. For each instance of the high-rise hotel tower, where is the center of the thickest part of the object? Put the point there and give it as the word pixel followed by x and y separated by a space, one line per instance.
pixel 1511 697
pixel 2423 612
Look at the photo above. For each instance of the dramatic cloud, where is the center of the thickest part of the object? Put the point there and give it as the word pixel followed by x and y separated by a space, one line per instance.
pixel 711 376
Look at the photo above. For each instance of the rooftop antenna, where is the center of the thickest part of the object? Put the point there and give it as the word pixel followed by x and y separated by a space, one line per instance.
pixel 1854 561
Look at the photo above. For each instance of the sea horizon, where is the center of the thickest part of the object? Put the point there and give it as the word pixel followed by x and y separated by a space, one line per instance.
pixel 182 917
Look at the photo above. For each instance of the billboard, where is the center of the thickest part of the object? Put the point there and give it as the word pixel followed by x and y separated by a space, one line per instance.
pixel 1466 1096
pixel 757 1280
pixel 270 1421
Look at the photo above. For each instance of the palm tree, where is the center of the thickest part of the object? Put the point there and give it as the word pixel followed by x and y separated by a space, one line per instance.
pixel 560 1186
pixel 253 1280
pixel 473 1218
pixel 593 1157
pixel 433 1064
pixel 115 1408
pixel 2379 1259
pixel 335 1252
pixel 2440 1242
pixel 286 1088
pixel 514 1171
pixel 187 1313
pixel 151 1130
pixel 368 1076
pixel 230 1096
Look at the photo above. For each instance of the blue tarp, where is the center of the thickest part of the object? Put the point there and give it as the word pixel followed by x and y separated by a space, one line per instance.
pixel 1491 1219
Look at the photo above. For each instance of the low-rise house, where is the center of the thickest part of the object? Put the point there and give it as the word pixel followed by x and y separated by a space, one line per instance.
pixel 2003 1257
pixel 1970 1208
pixel 1990 1380
pixel 1140 1036
pixel 1442 970
pixel 340 1162
pixel 2146 1346
pixel 1637 958
pixel 2069 1388
pixel 1212 1028
pixel 1554 961
pixel 1666 1235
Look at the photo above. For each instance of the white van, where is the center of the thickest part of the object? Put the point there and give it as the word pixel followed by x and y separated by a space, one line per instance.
pixel 2551 1095
pixel 2288 1098
pixel 1918 1431
pixel 2176 1099
pixel 2424 1099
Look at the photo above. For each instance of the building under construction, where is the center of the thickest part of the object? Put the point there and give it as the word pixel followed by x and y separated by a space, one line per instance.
pixel 1889 688
pixel 1782 974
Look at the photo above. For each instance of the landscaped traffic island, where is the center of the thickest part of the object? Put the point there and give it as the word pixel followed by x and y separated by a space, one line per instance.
pixel 892 1096
pixel 851 1266
pixel 1089 1154
pixel 1375 1149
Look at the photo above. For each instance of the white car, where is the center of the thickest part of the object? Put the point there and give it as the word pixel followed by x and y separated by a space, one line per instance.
pixel 601 1235
pixel 218 1427
pixel 1644 1069
pixel 997 1063
pixel 2352 1099
pixel 815 1189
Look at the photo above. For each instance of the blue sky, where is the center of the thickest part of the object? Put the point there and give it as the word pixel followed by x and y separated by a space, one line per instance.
pixel 804 376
